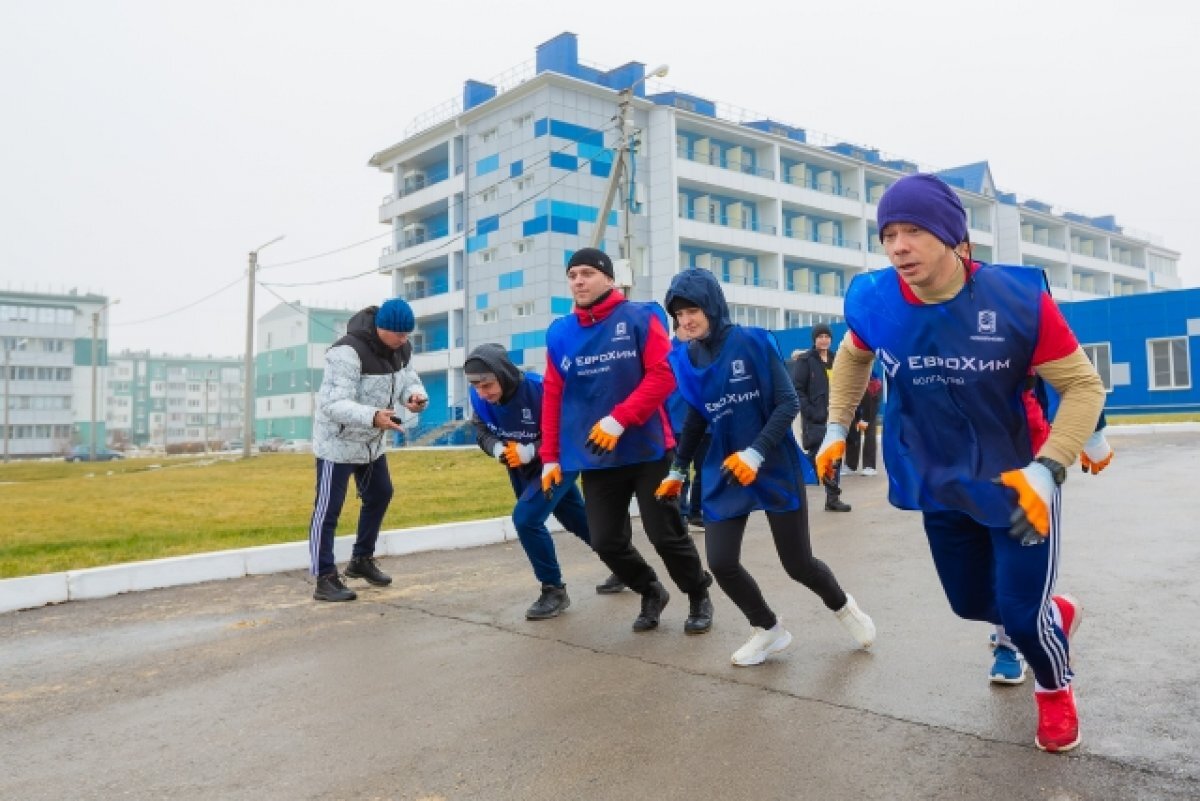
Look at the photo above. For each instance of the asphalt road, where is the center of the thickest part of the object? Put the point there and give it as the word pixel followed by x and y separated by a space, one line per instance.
pixel 437 688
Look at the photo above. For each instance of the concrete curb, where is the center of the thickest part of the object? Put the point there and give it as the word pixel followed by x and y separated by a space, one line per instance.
pixel 28 592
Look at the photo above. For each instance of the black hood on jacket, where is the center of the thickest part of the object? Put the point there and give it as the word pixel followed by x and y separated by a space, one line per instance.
pixel 362 336
pixel 496 358
pixel 699 287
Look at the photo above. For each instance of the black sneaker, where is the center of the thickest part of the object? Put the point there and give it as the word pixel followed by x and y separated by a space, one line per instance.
pixel 331 588
pixel 836 505
pixel 551 603
pixel 365 567
pixel 700 615
pixel 611 585
pixel 696 521
pixel 653 602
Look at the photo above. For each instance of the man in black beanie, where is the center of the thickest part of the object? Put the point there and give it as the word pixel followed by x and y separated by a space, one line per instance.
pixel 811 377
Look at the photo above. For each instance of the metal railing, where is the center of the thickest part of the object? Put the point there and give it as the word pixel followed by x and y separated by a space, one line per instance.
pixel 725 221
pixel 718 159
pixel 824 187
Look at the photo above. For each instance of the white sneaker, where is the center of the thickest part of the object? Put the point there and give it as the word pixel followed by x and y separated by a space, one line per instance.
pixel 847 471
pixel 857 622
pixel 764 643
pixel 869 471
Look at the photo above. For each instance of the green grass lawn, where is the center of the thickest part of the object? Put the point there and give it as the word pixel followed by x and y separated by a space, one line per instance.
pixel 59 516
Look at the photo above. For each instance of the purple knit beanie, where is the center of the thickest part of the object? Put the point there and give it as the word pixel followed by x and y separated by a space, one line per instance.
pixel 927 201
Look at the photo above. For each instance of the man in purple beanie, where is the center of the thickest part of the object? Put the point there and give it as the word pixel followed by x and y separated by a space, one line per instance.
pixel 956 341
pixel 368 389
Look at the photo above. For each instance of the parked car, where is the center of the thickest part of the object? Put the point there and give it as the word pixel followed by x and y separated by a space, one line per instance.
pixel 83 453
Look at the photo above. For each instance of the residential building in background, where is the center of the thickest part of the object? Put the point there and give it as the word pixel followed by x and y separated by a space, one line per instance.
pixel 174 403
pixel 491 194
pixel 46 343
pixel 289 365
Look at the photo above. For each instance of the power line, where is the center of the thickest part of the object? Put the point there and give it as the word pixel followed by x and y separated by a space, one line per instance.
pixel 457 205
pixel 233 283
pixel 451 240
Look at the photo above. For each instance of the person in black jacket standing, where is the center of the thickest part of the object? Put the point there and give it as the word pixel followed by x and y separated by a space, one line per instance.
pixel 811 378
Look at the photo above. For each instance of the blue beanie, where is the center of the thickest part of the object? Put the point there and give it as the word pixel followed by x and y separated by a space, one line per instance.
pixel 395 315
pixel 927 201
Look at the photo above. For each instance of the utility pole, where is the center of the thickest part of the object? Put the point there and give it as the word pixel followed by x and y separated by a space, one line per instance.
pixel 95 351
pixel 619 176
pixel 18 345
pixel 248 394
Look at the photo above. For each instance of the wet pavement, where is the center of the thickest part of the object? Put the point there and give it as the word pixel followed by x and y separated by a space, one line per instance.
pixel 437 688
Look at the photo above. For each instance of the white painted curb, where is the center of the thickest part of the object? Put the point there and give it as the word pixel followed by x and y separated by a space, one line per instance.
pixel 28 592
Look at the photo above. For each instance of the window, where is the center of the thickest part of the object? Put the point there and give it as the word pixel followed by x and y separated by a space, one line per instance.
pixel 523 183
pixel 1101 357
pixel 490 194
pixel 523 309
pixel 523 120
pixel 489 315
pixel 1168 362
pixel 487 256
pixel 522 246
pixel 488 136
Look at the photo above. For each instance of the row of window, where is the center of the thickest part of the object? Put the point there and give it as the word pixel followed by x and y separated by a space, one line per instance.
pixel 56 315
pixel 16 373
pixel 39 403
pixel 36 432
pixel 1168 361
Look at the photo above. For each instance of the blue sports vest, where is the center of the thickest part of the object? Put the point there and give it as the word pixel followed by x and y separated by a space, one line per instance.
pixel 518 420
pixel 954 419
pixel 736 395
pixel 601 366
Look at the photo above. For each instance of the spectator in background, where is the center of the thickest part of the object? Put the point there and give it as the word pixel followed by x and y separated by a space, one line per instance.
pixel 368 389
pixel 811 379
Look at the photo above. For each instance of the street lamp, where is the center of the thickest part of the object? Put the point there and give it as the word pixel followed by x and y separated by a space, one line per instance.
pixel 95 347
pixel 620 168
pixel 248 394
pixel 18 345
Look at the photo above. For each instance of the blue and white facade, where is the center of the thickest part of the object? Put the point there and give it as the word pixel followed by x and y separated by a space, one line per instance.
pixel 489 198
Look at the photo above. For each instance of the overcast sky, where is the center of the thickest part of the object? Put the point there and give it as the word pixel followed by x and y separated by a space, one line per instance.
pixel 148 146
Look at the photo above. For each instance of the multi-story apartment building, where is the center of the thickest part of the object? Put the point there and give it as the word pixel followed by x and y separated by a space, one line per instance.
pixel 289 365
pixel 169 402
pixel 50 386
pixel 491 195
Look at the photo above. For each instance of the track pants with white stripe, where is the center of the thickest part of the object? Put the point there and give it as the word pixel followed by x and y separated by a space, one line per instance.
pixel 374 484
pixel 989 576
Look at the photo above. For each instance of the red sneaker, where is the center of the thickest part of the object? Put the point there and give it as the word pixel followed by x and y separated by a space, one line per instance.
pixel 1071 612
pixel 1058 722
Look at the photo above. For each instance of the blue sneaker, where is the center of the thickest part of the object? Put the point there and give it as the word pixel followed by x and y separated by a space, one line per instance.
pixel 1008 666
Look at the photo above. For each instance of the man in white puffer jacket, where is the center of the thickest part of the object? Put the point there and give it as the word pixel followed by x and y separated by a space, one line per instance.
pixel 368 390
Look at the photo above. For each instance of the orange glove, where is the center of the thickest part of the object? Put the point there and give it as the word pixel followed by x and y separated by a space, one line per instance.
pixel 604 435
pixel 671 487
pixel 1097 453
pixel 862 425
pixel 516 454
pixel 551 478
pixel 742 466
pixel 830 454
pixel 1034 485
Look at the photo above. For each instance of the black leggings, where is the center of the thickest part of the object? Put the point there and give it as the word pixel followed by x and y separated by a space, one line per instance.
pixel 723 541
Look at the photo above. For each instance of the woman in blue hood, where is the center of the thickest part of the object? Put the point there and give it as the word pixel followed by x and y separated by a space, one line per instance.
pixel 735 383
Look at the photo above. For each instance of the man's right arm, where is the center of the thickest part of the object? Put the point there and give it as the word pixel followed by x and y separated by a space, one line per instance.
pixel 552 390
pixel 851 372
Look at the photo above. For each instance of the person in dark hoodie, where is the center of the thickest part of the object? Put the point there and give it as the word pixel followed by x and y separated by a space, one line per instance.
pixel 367 390
pixel 735 383
pixel 607 380
pixel 810 376
pixel 508 415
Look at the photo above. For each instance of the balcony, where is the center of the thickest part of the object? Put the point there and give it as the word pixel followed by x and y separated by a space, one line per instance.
pixel 718 159
pixel 749 280
pixel 833 241
pixel 736 222
pixel 824 187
